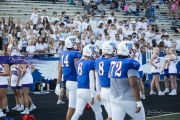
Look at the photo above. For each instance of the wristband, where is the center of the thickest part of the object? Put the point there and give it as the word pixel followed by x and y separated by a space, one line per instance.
pixel 139 104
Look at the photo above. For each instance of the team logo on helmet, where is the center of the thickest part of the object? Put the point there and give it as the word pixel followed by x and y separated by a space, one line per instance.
pixel 129 46
pixel 94 53
pixel 114 48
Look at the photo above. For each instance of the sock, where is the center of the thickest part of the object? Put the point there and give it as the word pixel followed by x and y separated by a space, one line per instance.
pixel 167 89
pixel 32 104
pixel 4 110
pixel 140 93
pixel 7 107
pixel 0 109
pixel 18 105
pixel 22 106
pixel 27 109
pixel 152 90
pixel 159 91
pixel 99 116
pixel 75 116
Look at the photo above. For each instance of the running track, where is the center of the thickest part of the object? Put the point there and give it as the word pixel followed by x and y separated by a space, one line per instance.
pixel 47 109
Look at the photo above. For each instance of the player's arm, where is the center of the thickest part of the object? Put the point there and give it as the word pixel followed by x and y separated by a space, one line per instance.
pixel 91 85
pixel 98 87
pixel 75 61
pixel 57 90
pixel 135 88
pixel 59 73
pixel 151 61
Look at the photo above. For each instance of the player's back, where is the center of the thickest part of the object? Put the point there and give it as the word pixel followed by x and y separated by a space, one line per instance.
pixel 67 63
pixel 121 69
pixel 83 67
pixel 102 66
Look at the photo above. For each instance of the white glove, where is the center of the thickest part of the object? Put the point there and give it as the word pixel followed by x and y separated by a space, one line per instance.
pixel 43 84
pixel 57 90
pixel 139 104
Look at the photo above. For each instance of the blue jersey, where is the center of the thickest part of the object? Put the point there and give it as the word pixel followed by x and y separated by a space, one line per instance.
pixel 67 63
pixel 153 8
pixel 120 67
pixel 83 67
pixel 102 66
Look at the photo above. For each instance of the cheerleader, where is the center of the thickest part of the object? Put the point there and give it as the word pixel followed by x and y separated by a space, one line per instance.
pixel 4 73
pixel 138 57
pixel 27 81
pixel 155 70
pixel 16 86
pixel 166 71
pixel 173 71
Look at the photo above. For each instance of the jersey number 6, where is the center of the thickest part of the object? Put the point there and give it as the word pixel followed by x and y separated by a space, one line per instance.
pixel 80 68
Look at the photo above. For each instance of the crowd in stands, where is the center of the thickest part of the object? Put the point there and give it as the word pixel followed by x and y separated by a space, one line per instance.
pixel 43 35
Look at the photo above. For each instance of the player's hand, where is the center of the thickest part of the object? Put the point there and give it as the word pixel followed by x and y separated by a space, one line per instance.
pixel 57 90
pixel 92 101
pixel 138 107
pixel 98 97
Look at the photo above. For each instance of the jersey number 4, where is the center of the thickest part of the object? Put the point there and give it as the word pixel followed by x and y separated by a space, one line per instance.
pixel 64 60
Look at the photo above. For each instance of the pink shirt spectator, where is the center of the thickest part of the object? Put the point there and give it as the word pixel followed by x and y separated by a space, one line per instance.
pixel 126 8
pixel 174 7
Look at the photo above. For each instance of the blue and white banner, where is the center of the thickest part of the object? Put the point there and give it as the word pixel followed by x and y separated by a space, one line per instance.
pixel 48 69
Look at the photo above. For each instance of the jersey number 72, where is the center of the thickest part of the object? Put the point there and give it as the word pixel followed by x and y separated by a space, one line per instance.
pixel 117 71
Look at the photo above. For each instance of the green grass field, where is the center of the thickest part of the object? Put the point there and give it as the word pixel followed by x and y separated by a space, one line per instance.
pixel 168 117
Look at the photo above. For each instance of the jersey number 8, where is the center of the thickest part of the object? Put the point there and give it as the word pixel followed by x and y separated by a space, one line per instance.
pixel 101 70
pixel 64 61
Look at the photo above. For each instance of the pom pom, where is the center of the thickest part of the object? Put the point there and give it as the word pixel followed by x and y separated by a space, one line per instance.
pixel 87 107
pixel 5 118
pixel 148 84
pixel 28 117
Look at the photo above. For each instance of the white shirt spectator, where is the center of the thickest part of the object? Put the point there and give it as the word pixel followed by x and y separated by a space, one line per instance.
pixel 53 19
pixel 14 50
pixel 126 33
pixel 178 45
pixel 93 24
pixel 144 25
pixel 158 38
pixel 150 34
pixel 99 44
pixel 98 31
pixel 39 46
pixel 42 17
pixel 84 25
pixel 112 34
pixel 31 49
pixel 34 18
pixel 167 43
